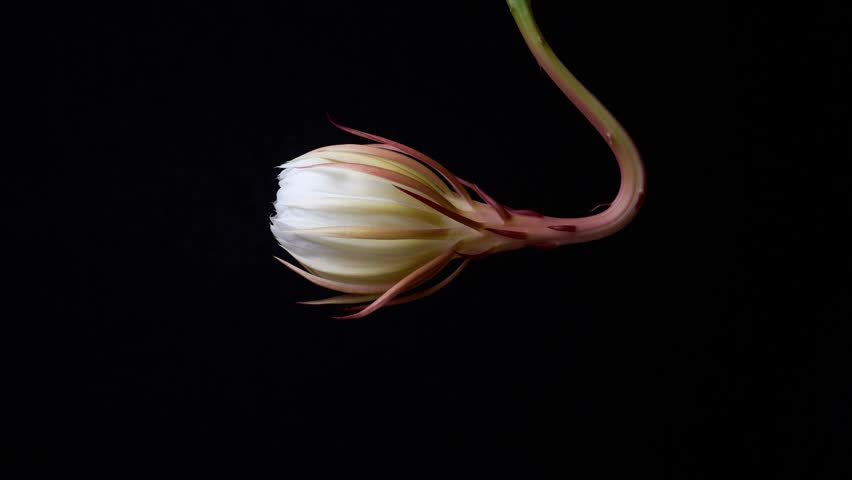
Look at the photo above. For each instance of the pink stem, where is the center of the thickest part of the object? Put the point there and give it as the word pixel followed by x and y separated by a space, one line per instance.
pixel 632 189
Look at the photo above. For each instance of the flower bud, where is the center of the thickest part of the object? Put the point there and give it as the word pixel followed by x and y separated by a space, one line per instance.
pixel 344 214
pixel 374 221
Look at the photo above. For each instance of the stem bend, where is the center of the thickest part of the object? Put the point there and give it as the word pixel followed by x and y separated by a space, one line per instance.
pixel 632 189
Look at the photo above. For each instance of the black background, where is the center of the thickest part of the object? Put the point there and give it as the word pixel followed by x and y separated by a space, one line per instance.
pixel 161 338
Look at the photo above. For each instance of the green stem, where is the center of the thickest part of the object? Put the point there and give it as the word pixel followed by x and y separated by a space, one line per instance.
pixel 632 189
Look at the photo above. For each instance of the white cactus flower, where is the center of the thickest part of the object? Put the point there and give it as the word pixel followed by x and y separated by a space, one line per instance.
pixel 341 211
pixel 374 221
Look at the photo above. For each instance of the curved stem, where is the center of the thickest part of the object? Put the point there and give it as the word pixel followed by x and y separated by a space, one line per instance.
pixel 632 189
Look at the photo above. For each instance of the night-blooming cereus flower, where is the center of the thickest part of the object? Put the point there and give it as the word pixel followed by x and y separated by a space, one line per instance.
pixel 349 215
pixel 377 222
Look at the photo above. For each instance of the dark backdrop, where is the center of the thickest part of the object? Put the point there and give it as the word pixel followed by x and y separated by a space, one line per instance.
pixel 160 337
